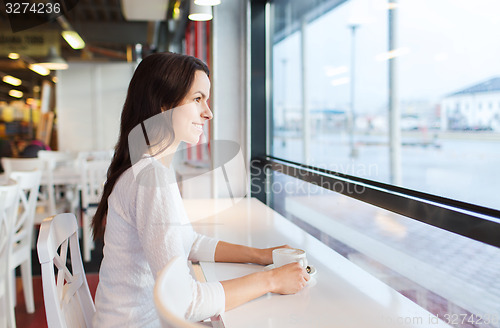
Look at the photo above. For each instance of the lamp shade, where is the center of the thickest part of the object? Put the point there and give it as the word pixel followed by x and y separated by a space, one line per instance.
pixel 53 61
pixel 207 2
pixel 151 10
pixel 12 80
pixel 74 39
pixel 39 69
pixel 199 13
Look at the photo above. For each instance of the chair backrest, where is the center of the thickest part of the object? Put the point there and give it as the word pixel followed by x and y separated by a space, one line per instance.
pixel 172 294
pixel 86 156
pixel 22 164
pixel 29 183
pixel 93 174
pixel 53 157
pixel 9 200
pixel 68 302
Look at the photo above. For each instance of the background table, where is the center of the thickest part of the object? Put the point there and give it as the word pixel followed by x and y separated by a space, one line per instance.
pixel 339 295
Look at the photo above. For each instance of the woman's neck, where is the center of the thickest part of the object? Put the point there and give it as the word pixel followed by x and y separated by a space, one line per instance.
pixel 166 156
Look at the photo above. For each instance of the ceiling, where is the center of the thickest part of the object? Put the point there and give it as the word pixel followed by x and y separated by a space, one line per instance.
pixel 107 34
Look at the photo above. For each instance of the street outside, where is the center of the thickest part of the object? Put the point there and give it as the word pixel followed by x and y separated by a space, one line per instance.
pixel 462 166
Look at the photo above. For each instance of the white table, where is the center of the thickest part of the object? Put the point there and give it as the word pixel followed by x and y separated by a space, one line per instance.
pixel 339 295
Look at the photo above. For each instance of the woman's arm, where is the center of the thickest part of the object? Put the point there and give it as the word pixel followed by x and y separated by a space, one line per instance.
pixel 288 279
pixel 227 252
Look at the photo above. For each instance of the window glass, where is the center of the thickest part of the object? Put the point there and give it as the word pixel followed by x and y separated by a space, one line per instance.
pixel 331 96
pixel 453 277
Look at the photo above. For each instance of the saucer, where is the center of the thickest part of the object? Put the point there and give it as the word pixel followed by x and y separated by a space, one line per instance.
pixel 312 273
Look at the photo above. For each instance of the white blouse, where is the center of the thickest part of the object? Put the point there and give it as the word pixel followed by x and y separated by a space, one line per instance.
pixel 147 226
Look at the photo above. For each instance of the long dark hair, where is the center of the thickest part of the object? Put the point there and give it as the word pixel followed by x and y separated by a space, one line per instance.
pixel 161 80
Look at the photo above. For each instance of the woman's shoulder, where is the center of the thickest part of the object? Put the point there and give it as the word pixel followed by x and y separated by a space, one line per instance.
pixel 151 173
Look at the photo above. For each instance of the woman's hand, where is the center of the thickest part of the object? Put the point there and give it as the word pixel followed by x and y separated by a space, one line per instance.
pixel 288 279
pixel 265 255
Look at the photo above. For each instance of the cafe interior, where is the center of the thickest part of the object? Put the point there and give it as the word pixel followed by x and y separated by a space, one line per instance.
pixel 310 145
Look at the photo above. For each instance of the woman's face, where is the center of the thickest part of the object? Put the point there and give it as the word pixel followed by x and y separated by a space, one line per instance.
pixel 189 117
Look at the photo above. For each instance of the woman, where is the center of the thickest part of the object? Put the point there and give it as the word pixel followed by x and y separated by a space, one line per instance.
pixel 141 215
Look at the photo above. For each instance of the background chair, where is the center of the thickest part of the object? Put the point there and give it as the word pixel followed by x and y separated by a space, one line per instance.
pixel 21 164
pixel 31 164
pixel 172 295
pixel 93 173
pixel 60 169
pixel 95 155
pixel 9 200
pixel 68 302
pixel 22 234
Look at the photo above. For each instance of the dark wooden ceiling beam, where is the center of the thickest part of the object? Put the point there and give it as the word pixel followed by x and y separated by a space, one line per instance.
pixel 115 32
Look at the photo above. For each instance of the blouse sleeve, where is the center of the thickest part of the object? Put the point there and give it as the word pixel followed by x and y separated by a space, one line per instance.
pixel 203 248
pixel 161 230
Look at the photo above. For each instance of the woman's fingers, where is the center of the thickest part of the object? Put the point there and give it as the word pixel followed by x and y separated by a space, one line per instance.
pixel 290 278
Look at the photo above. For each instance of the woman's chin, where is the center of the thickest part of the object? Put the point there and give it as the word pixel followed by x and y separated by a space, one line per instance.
pixel 193 141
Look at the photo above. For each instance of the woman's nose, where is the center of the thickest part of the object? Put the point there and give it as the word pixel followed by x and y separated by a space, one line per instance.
pixel 207 113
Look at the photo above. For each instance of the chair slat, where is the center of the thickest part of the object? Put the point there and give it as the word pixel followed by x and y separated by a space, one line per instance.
pixel 68 302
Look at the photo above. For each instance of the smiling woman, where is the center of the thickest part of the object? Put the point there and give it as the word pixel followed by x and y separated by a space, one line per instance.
pixel 194 111
pixel 141 214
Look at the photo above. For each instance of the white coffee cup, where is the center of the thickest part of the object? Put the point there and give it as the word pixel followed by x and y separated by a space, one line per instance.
pixel 282 256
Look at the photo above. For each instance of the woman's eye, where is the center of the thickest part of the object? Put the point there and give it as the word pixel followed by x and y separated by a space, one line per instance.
pixel 197 99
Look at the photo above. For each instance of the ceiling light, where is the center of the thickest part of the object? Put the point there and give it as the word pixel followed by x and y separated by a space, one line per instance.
pixel 73 39
pixel 176 12
pixel 151 10
pixel 14 55
pixel 12 80
pixel 54 61
pixel 207 2
pixel 392 5
pixel 15 93
pixel 39 69
pixel 200 13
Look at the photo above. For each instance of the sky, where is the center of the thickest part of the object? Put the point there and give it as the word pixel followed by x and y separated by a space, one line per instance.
pixel 444 46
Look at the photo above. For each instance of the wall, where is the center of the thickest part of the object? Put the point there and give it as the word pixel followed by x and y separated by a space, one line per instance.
pixel 229 96
pixel 90 97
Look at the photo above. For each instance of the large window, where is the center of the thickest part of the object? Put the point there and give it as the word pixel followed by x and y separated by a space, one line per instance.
pixel 453 277
pixel 333 63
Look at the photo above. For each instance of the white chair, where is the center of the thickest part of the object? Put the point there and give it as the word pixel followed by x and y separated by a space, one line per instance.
pixel 22 237
pixel 93 175
pixel 55 156
pixel 57 161
pixel 67 300
pixel 30 164
pixel 172 295
pixel 9 201
pixel 21 164
pixel 95 155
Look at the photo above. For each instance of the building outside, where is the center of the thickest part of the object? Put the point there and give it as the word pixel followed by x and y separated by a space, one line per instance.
pixel 473 108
